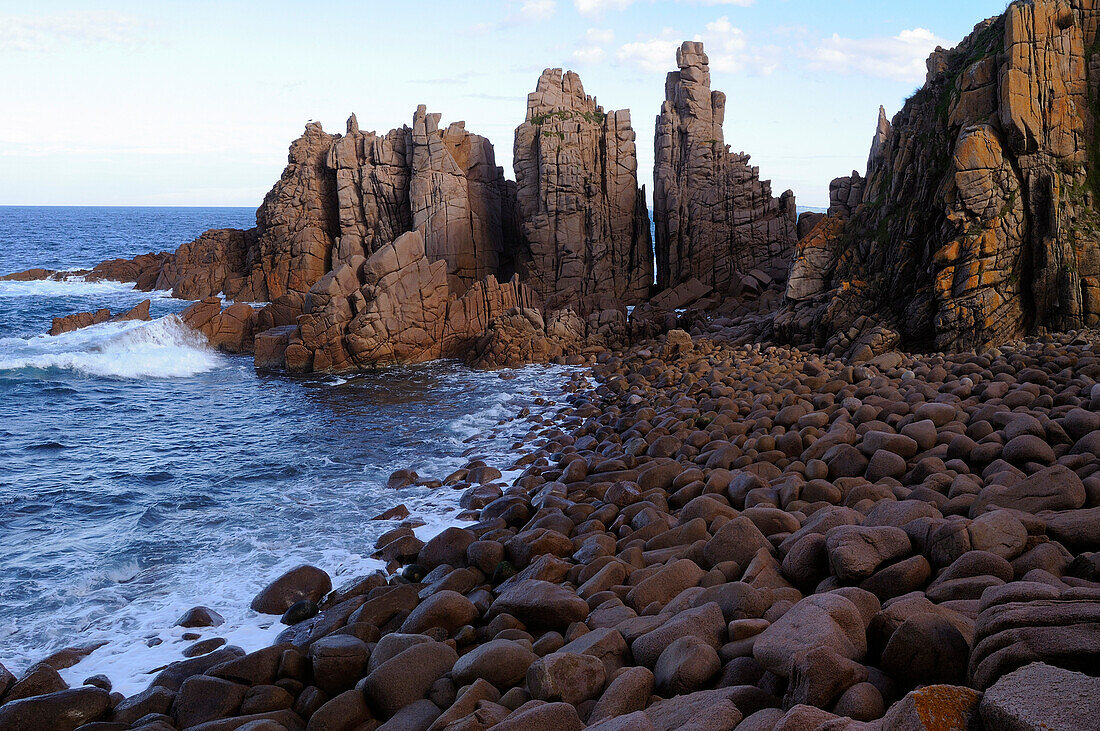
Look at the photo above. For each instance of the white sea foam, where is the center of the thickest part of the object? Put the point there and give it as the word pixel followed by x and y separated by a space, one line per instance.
pixel 163 348
pixel 147 639
pixel 72 287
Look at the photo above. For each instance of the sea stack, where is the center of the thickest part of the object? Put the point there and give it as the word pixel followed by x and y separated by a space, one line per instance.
pixel 584 218
pixel 715 219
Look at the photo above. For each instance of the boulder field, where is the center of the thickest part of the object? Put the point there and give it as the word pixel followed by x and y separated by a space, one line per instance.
pixel 705 536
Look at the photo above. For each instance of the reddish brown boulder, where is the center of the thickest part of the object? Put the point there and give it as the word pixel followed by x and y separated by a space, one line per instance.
pixel 302 582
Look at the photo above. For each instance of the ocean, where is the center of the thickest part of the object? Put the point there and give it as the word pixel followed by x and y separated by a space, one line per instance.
pixel 142 473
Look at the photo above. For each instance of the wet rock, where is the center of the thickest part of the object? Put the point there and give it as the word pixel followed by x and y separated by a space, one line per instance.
pixel 338 661
pixel 446 609
pixel 63 710
pixel 407 676
pixel 503 663
pixel 200 617
pixel 299 612
pixel 202 698
pixel 154 699
pixel 449 547
pixel 38 680
pixel 302 582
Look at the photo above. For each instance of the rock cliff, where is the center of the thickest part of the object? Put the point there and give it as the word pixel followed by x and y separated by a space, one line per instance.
pixel 715 219
pixel 977 219
pixel 444 181
pixel 584 218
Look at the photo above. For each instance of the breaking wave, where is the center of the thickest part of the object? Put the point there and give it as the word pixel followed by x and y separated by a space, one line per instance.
pixel 163 348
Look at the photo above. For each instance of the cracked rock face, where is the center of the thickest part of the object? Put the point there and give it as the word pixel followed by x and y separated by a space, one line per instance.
pixel 394 307
pixel 715 219
pixel 977 219
pixel 583 216
pixel 445 181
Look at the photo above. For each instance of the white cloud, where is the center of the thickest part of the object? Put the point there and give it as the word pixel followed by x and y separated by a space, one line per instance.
pixel 591 50
pixel 538 9
pixel 654 55
pixel 899 57
pixel 598 7
pixel 601 36
pixel 726 45
pixel 37 33
pixel 588 55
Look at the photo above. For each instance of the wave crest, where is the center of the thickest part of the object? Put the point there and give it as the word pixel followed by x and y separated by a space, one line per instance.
pixel 163 348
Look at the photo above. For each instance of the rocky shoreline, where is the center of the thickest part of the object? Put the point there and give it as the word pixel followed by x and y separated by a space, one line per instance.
pixel 766 514
pixel 713 536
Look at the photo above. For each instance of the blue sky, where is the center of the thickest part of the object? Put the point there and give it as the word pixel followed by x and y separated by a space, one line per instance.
pixel 195 103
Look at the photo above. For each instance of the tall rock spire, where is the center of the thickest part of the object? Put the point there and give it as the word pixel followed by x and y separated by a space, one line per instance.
pixel 878 144
pixel 582 214
pixel 714 216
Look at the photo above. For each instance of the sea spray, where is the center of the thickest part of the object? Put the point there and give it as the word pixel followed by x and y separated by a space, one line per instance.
pixel 163 348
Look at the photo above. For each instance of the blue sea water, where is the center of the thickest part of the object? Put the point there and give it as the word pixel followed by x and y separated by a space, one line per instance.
pixel 142 473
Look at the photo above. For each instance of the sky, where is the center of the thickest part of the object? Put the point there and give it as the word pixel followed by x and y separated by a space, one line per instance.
pixel 195 103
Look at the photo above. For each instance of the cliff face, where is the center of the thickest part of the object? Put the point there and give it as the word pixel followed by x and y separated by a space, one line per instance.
pixel 714 217
pixel 583 216
pixel 977 220
pixel 445 181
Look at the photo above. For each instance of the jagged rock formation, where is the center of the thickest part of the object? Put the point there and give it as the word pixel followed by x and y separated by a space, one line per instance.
pixel 212 263
pixel 977 222
pixel 346 196
pixel 583 216
pixel 714 217
pixel 394 307
pixel 444 181
pixel 401 248
pixel 79 320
